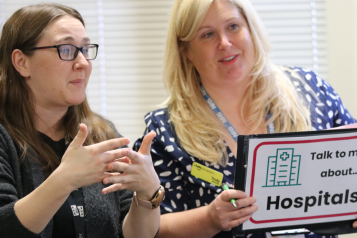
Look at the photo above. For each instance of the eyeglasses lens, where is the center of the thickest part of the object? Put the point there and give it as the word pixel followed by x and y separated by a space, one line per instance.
pixel 68 52
pixel 89 51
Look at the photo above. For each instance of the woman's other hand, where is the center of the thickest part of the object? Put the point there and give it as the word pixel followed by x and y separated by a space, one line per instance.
pixel 224 215
pixel 86 165
pixel 138 173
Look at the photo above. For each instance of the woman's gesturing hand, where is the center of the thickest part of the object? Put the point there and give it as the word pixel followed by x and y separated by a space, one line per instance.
pixel 137 172
pixel 86 165
pixel 224 215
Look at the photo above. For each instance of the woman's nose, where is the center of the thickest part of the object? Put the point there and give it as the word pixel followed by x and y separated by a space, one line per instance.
pixel 224 42
pixel 80 61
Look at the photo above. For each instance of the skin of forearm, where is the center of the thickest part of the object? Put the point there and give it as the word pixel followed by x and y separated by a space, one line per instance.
pixel 191 223
pixel 141 222
pixel 37 208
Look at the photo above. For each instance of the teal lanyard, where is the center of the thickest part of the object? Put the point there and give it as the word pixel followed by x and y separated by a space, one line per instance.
pixel 224 120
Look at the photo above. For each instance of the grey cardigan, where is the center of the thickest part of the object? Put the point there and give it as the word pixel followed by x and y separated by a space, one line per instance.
pixel 104 214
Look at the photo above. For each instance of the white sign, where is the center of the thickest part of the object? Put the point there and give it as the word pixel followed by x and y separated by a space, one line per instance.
pixel 302 180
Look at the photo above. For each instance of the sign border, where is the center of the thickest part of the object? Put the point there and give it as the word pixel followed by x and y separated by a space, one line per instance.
pixel 285 143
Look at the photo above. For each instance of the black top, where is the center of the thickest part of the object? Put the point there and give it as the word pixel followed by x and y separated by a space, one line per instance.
pixel 63 223
pixel 104 215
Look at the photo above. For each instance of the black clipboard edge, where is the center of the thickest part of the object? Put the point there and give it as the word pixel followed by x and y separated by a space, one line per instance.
pixel 302 133
pixel 330 228
pixel 240 173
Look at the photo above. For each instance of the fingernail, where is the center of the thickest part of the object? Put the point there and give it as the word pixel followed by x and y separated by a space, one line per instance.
pixel 125 152
pixel 354 225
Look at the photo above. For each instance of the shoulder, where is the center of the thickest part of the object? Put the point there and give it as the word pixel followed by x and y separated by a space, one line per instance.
pixel 161 113
pixel 305 78
pixel 310 86
pixel 325 105
pixel 159 121
pixel 159 118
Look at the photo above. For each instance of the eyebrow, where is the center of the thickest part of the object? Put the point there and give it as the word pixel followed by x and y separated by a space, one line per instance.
pixel 235 17
pixel 85 39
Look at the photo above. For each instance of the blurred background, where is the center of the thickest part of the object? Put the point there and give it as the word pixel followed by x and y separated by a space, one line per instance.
pixel 126 82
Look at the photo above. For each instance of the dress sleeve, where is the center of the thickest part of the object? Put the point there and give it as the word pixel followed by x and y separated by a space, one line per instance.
pixel 10 226
pixel 166 156
pixel 327 108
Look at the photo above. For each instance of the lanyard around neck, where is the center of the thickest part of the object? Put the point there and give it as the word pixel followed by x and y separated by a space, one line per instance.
pixel 224 120
pixel 75 201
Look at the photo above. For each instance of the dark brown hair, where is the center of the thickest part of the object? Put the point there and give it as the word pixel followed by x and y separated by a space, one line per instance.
pixel 17 104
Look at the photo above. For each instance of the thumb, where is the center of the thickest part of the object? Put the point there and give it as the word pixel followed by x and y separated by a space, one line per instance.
pixel 80 137
pixel 146 145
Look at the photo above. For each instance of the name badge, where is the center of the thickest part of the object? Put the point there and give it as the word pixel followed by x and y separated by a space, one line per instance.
pixel 206 174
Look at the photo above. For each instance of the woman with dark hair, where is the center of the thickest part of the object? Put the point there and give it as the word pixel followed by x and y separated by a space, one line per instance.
pixel 50 174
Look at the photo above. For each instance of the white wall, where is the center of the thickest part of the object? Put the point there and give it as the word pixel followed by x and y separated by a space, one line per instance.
pixel 341 21
pixel 341 17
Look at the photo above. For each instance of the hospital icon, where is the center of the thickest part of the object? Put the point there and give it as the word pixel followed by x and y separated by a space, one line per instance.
pixel 283 169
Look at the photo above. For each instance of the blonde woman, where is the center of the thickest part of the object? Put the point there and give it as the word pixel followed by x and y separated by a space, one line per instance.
pixel 221 83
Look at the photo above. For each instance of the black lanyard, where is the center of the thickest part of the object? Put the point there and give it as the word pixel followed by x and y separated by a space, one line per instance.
pixel 75 200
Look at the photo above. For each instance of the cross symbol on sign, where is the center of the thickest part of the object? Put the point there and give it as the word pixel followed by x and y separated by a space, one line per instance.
pixel 284 156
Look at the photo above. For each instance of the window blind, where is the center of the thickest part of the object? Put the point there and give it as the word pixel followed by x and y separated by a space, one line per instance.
pixel 297 29
pixel 126 80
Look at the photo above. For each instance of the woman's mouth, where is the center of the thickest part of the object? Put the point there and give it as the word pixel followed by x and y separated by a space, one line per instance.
pixel 229 60
pixel 77 82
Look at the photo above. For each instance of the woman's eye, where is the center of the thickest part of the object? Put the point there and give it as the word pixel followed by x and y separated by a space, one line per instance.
pixel 65 51
pixel 233 26
pixel 207 35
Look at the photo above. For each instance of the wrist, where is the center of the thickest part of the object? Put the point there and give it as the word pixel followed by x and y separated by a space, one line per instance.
pixel 63 179
pixel 155 200
pixel 150 190
pixel 209 214
pixel 148 193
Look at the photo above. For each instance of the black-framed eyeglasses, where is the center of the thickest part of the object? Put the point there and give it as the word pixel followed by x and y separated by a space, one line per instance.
pixel 69 52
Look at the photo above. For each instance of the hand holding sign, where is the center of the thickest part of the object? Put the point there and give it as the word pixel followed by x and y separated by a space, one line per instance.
pixel 225 216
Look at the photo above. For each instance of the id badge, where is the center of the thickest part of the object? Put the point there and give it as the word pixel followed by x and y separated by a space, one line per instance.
pixel 206 174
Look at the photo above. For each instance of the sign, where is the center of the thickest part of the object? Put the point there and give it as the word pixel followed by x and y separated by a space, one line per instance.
pixel 300 178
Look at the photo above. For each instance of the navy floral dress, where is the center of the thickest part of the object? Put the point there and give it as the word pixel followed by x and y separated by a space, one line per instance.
pixel 173 165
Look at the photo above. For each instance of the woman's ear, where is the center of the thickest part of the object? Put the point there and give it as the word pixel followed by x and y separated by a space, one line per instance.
pixel 20 62
pixel 184 47
pixel 188 53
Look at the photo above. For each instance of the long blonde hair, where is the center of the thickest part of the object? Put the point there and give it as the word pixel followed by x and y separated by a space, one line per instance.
pixel 17 104
pixel 270 90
